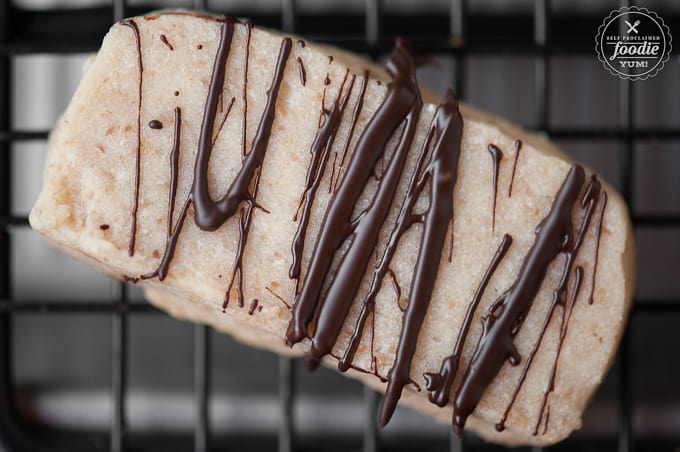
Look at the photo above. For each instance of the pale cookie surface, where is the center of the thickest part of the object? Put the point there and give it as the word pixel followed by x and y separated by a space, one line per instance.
pixel 109 179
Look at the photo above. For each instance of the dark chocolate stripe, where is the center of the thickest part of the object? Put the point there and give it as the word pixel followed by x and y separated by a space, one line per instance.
pixel 210 215
pixel 164 40
pixel 320 150
pixel 355 116
pixel 245 219
pixel 567 309
pixel 496 156
pixel 301 69
pixel 207 212
pixel 337 221
pixel 246 62
pixel 443 170
pixel 354 263
pixel 603 206
pixel 251 171
pixel 439 384
pixel 397 288
pixel 171 233
pixel 135 205
pixel 405 220
pixel 571 247
pixel 224 119
pixel 499 328
pixel 518 147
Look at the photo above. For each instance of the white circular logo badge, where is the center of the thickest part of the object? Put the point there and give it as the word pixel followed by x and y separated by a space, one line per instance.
pixel 633 43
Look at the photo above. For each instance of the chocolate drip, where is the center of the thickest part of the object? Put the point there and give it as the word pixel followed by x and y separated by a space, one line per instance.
pixel 337 224
pixel 327 80
pixel 253 306
pixel 245 219
pixel 167 43
pixel 567 309
pixel 518 147
pixel 404 221
pixel 439 384
pixel 171 233
pixel 571 247
pixel 224 119
pixel 497 156
pixel 546 419
pixel 249 30
pixel 278 297
pixel 135 205
pixel 504 319
pixel 155 124
pixel 397 288
pixel 301 68
pixel 442 173
pixel 301 43
pixel 367 227
pixel 320 150
pixel 325 299
pixel 355 116
pixel 603 206
pixel 210 215
pixel 440 123
pixel 252 162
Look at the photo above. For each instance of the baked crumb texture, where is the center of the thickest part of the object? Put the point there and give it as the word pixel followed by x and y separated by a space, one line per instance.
pixel 309 202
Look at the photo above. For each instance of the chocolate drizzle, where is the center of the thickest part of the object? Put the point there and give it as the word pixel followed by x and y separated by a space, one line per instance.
pixel 603 206
pixel 518 147
pixel 326 294
pixel 504 319
pixel 320 150
pixel 570 247
pixel 338 224
pixel 172 233
pixel 135 205
pixel 210 215
pixel 249 32
pixel 167 43
pixel 397 289
pixel 564 325
pixel 402 103
pixel 303 73
pixel 441 172
pixel 355 116
pixel 155 124
pixel 496 156
pixel 439 384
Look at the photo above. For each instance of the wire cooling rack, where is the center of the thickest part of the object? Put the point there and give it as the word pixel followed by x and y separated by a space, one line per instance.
pixel 459 35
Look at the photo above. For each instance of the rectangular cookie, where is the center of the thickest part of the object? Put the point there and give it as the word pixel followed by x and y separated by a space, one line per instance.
pixel 309 202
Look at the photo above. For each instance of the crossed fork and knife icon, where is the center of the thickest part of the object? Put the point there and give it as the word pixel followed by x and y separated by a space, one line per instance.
pixel 632 27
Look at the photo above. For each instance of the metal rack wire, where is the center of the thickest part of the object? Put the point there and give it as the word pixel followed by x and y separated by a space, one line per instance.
pixel 538 36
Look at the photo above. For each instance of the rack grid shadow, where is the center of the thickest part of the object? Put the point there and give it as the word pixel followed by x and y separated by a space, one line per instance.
pixel 461 38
